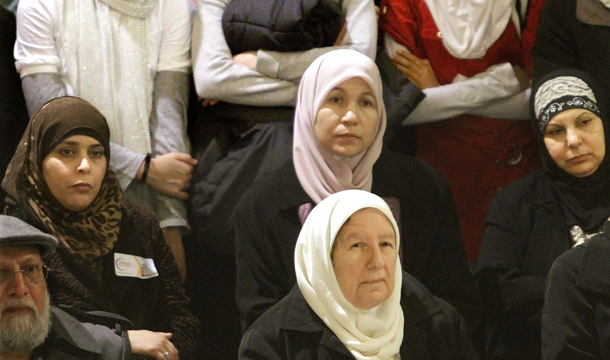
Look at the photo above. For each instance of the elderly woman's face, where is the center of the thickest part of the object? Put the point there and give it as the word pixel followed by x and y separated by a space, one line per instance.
pixel 348 118
pixel 364 258
pixel 74 171
pixel 575 140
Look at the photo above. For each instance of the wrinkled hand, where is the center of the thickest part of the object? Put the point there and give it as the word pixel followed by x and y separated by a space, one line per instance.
pixel 419 71
pixel 521 75
pixel 153 344
pixel 247 58
pixel 171 173
pixel 173 237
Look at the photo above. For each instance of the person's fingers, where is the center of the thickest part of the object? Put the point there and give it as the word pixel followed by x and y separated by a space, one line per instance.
pixel 408 72
pixel 186 158
pixel 404 69
pixel 402 52
pixel 182 156
pixel 399 59
pixel 182 195
pixel 170 352
pixel 415 63
pixel 409 62
pixel 210 102
pixel 185 186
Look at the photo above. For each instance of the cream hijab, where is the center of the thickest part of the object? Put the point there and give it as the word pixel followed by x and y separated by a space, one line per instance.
pixel 470 27
pixel 105 46
pixel 368 334
pixel 320 172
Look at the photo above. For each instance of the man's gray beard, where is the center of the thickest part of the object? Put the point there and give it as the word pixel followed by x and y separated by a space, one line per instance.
pixel 24 332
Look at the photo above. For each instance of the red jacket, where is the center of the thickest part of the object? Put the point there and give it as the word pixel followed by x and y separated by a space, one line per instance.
pixel 473 152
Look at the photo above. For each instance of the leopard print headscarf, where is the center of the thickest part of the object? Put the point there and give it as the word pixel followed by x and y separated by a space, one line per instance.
pixel 89 233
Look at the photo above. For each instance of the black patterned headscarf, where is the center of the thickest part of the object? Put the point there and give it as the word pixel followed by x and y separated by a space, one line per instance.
pixel 585 200
pixel 91 232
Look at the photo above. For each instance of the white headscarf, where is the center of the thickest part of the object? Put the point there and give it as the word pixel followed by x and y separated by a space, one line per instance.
pixel 105 45
pixel 469 27
pixel 319 172
pixel 368 334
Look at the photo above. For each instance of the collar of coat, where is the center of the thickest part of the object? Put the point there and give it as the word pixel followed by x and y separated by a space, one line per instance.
pixel 69 336
pixel 418 305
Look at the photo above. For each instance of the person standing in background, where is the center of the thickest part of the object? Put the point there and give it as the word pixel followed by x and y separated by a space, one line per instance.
pixel 131 60
pixel 468 59
pixel 573 34
pixel 248 100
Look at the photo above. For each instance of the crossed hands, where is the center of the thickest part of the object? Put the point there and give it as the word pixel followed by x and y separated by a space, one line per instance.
pixel 419 71
pixel 248 58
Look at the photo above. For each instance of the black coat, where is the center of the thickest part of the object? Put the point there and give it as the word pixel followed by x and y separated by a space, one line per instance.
pixel 280 25
pixel 433 329
pixel 526 231
pixel 267 226
pixel 564 40
pixel 155 304
pixel 576 309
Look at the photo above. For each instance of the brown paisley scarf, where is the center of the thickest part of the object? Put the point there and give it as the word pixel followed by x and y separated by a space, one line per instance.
pixel 89 233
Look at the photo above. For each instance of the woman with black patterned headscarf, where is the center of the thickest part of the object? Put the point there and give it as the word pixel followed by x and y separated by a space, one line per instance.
pixel 535 219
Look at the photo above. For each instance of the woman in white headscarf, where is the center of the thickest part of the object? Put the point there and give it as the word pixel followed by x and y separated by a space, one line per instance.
pixel 352 300
pixel 339 125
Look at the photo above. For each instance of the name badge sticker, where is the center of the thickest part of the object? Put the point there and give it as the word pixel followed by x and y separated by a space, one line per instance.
pixel 134 266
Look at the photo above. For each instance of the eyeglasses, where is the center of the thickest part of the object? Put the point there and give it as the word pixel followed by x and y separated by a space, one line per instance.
pixel 31 274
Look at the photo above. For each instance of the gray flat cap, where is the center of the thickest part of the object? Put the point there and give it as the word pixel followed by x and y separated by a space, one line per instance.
pixel 14 231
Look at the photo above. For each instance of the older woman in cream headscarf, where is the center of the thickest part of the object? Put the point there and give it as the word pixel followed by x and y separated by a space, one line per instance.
pixel 352 299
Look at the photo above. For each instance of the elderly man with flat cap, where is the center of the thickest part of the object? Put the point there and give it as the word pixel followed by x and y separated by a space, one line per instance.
pixel 32 329
pixel 29 327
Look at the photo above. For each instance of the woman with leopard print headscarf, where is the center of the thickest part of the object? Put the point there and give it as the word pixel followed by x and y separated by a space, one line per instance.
pixel 112 254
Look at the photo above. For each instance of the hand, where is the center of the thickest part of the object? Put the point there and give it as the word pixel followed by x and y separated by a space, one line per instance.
pixel 170 174
pixel 247 58
pixel 419 71
pixel 377 12
pixel 173 237
pixel 341 36
pixel 153 344
pixel 521 75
